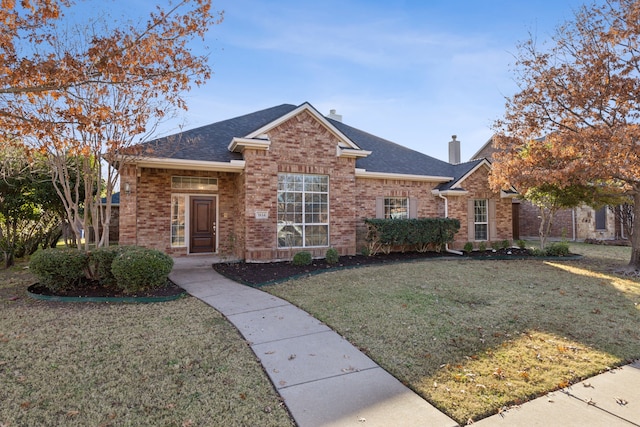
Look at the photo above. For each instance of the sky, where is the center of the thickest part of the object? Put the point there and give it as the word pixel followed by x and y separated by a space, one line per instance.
pixel 414 72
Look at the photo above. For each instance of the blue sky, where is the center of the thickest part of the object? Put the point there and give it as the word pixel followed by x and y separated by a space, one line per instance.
pixel 414 72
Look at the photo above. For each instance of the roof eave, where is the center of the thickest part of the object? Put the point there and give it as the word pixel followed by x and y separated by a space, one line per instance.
pixel 238 145
pixel 451 192
pixel 202 165
pixel 363 173
pixel 350 152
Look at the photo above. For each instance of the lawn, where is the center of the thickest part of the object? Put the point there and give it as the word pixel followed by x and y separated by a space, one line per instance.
pixel 473 337
pixel 177 363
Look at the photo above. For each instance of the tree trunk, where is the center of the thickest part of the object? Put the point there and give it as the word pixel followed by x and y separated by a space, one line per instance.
pixel 635 236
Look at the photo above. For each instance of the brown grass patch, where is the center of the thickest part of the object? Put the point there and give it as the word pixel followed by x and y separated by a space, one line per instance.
pixel 475 336
pixel 175 363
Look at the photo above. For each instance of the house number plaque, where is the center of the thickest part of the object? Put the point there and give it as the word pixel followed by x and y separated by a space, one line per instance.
pixel 262 214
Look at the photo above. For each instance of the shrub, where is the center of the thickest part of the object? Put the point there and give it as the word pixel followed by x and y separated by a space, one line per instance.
pixel 468 247
pixel 138 269
pixel 302 258
pixel 100 261
pixel 557 249
pixel 332 256
pixel 365 251
pixel 482 246
pixel 496 245
pixel 522 244
pixel 420 234
pixel 505 244
pixel 59 269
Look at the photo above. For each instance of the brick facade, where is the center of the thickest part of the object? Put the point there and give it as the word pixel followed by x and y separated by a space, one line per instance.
pixel 299 145
pixel 302 145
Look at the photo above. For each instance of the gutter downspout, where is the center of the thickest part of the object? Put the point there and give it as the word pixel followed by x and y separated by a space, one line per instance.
pixel 573 221
pixel 446 215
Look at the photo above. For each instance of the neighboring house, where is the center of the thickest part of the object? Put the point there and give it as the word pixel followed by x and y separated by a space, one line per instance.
pixel 265 185
pixel 580 223
pixel 114 229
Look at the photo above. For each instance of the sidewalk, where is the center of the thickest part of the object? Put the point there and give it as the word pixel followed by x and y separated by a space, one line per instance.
pixel 325 381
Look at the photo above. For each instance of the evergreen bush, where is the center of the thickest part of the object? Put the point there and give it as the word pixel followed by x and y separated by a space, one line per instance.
pixel 59 269
pixel 138 269
pixel 332 256
pixel 302 258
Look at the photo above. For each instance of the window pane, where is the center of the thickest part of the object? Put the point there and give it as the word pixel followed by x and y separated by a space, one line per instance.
pixel 177 220
pixel 194 183
pixel 289 236
pixel 396 207
pixel 481 232
pixel 316 235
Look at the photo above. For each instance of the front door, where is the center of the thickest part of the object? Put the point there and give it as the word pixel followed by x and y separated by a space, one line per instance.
pixel 203 224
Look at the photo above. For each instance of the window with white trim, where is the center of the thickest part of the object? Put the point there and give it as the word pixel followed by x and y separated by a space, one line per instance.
pixel 396 207
pixel 178 220
pixel 481 219
pixel 303 210
pixel 194 183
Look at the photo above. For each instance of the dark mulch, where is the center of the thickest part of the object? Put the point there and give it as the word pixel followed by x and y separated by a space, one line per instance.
pixel 95 289
pixel 256 274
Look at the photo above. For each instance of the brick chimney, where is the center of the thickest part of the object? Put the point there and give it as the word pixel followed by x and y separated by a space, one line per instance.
pixel 334 116
pixel 454 150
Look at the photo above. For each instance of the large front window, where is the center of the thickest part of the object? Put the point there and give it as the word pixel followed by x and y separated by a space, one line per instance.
pixel 303 210
pixel 481 219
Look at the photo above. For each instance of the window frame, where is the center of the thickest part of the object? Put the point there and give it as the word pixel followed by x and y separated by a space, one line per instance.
pixel 176 223
pixel 303 207
pixel 480 209
pixel 390 203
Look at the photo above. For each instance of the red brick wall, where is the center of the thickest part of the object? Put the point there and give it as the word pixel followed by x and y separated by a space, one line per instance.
pixel 368 190
pixel 146 213
pixel 299 145
pixel 478 187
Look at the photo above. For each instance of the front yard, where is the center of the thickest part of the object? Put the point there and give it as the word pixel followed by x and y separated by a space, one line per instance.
pixel 177 363
pixel 473 337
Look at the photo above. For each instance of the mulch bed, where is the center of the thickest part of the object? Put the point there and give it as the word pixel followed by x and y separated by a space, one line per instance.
pixel 257 274
pixel 94 289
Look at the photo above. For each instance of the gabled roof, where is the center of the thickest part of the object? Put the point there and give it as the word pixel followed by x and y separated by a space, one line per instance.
pixel 223 142
pixel 460 172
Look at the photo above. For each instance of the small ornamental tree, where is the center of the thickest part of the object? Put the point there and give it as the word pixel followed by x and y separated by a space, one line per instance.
pixel 576 117
pixel 87 92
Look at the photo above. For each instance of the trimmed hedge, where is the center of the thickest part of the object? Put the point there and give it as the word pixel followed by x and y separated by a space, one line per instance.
pixel 138 269
pixel 59 269
pixel 100 261
pixel 420 234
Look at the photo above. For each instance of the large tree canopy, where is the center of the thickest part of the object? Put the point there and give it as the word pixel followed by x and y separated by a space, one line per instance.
pixel 86 91
pixel 576 118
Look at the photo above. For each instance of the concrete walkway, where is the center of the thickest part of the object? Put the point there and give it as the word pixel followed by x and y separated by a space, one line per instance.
pixel 326 381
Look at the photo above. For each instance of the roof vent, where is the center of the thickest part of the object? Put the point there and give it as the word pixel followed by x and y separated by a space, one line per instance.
pixel 334 116
pixel 454 150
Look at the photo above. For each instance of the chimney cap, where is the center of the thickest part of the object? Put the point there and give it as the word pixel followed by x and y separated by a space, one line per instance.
pixel 454 137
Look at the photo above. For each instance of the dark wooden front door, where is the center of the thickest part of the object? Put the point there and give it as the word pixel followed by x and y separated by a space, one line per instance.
pixel 515 220
pixel 203 225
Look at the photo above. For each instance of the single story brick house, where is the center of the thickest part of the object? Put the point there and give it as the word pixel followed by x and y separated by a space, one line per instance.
pixel 263 186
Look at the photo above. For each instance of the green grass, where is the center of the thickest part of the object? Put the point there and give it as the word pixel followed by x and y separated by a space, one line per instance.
pixel 474 336
pixel 178 363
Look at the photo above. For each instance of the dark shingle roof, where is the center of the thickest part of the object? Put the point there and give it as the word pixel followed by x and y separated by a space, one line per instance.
pixel 210 142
